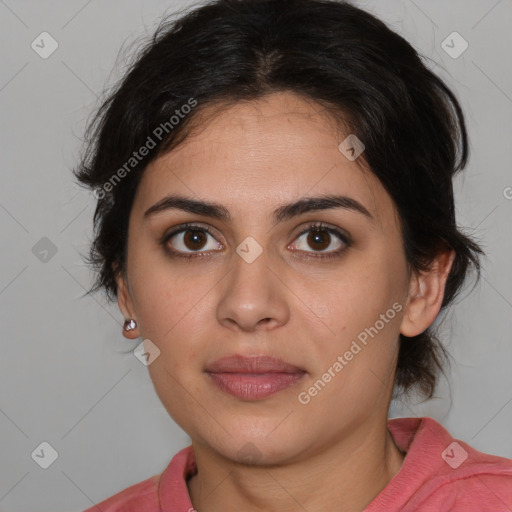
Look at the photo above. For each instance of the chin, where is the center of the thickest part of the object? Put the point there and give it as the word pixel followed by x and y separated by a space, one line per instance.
pixel 258 447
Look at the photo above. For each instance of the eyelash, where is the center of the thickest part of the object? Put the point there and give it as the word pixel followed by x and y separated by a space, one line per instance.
pixel 315 225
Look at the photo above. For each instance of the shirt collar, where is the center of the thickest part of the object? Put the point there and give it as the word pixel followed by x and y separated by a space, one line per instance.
pixel 172 490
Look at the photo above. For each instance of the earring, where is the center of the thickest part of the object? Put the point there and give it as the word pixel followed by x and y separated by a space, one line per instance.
pixel 129 325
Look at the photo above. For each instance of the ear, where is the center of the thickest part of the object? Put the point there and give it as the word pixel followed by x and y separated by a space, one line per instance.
pixel 426 292
pixel 125 303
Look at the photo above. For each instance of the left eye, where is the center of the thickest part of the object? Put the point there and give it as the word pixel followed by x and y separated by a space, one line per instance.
pixel 320 239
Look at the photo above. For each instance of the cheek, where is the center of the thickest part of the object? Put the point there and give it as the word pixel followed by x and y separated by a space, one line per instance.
pixel 358 299
pixel 167 299
pixel 356 368
pixel 170 311
pixel 172 308
pixel 363 311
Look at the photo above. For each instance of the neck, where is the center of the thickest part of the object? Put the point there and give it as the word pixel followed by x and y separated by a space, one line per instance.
pixel 347 476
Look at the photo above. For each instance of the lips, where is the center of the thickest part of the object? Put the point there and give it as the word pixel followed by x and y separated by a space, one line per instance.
pixel 252 364
pixel 253 378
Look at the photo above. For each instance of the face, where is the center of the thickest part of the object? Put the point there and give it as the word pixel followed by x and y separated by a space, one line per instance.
pixel 330 301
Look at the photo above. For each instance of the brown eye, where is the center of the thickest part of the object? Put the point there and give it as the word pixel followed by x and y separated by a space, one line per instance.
pixel 189 240
pixel 318 239
pixel 194 239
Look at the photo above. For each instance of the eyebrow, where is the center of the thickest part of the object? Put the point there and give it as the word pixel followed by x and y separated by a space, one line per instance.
pixel 285 212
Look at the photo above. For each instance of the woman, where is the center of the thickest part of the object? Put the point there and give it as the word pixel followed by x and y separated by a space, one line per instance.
pixel 276 221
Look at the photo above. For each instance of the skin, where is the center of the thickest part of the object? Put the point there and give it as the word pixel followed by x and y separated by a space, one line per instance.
pixel 252 158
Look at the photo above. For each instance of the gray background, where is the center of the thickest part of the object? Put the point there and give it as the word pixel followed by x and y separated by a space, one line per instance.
pixel 64 377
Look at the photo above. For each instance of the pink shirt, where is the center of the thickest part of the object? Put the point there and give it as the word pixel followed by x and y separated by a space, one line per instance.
pixel 438 474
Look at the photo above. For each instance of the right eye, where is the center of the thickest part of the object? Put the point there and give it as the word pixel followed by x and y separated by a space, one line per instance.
pixel 189 239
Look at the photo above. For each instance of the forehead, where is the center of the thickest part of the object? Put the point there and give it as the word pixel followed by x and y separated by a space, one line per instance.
pixel 260 154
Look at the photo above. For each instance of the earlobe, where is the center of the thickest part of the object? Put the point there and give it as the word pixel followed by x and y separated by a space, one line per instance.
pixel 125 303
pixel 426 294
pixel 129 326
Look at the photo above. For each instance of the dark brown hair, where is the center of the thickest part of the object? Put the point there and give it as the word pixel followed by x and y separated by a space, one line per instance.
pixel 328 51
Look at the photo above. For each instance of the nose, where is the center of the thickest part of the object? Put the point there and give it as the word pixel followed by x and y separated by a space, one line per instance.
pixel 254 297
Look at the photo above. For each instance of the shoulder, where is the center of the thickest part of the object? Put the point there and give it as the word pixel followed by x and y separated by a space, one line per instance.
pixel 167 491
pixel 482 491
pixel 471 481
pixel 455 476
pixel 140 496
